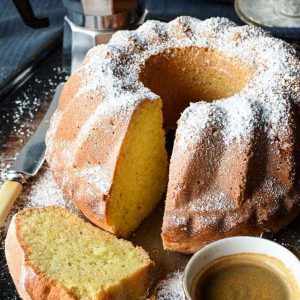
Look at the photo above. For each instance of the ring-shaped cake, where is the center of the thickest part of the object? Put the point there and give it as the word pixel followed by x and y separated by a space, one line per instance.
pixel 234 167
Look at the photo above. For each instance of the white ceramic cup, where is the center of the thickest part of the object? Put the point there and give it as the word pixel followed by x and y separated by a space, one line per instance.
pixel 238 245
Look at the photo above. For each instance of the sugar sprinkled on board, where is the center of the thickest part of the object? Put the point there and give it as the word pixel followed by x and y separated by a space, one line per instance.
pixel 22 111
pixel 45 192
pixel 170 288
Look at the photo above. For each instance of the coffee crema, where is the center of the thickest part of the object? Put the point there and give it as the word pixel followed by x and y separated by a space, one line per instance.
pixel 245 276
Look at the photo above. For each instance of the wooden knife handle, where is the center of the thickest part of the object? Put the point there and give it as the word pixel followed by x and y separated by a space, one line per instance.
pixel 9 192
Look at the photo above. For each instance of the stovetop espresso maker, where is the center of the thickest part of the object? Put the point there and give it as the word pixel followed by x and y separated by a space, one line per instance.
pixel 92 22
pixel 87 23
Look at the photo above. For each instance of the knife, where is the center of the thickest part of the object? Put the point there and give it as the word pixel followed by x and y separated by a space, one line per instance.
pixel 27 163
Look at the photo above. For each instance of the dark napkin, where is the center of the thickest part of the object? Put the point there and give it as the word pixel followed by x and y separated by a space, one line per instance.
pixel 169 9
pixel 19 44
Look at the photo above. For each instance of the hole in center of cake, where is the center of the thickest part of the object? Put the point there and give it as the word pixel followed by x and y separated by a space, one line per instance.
pixel 184 75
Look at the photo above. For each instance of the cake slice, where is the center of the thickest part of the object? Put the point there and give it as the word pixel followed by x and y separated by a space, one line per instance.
pixel 53 254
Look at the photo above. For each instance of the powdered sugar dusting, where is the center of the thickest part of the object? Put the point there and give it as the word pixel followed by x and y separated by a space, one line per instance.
pixel 215 202
pixel 178 220
pixel 195 126
pixel 170 288
pixel 272 187
pixel 45 192
pixel 96 176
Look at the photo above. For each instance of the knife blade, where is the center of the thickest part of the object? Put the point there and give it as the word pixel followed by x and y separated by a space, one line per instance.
pixel 28 162
pixel 32 155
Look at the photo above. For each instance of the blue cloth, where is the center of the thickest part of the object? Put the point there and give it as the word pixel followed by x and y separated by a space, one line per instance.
pixel 19 44
pixel 169 9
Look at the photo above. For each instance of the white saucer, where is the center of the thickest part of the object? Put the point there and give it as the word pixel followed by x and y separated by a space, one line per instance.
pixel 264 13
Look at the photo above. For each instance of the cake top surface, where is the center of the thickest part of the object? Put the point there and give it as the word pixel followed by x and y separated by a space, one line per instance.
pixel 116 68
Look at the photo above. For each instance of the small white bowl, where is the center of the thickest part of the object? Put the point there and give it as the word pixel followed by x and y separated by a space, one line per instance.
pixel 238 245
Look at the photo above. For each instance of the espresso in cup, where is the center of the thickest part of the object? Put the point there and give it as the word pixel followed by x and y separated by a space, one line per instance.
pixel 245 276
pixel 242 268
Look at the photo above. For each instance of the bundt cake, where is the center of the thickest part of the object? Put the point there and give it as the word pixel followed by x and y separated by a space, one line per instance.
pixel 234 167
pixel 53 254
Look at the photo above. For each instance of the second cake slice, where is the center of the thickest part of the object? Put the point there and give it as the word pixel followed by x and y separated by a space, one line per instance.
pixel 53 254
